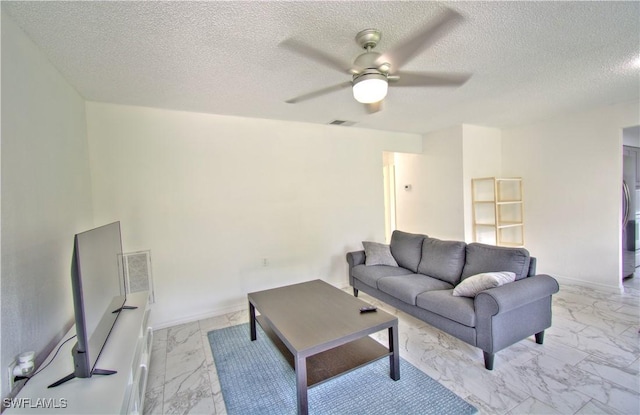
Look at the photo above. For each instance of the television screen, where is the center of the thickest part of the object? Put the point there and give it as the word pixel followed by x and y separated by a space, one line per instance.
pixel 97 277
pixel 100 267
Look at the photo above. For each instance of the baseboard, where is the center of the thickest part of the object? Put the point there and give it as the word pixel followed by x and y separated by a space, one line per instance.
pixel 195 317
pixel 600 287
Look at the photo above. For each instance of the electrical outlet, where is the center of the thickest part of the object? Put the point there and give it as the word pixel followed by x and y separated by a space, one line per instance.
pixel 12 366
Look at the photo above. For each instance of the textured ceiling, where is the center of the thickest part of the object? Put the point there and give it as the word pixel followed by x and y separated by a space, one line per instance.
pixel 529 60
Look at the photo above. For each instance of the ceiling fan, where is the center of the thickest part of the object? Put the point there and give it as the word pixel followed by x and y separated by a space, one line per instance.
pixel 372 72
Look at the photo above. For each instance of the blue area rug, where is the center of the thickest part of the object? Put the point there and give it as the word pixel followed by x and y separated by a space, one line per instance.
pixel 256 379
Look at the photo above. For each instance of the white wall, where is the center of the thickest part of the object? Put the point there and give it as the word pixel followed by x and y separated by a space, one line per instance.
pixel 212 196
pixel 46 197
pixel 439 202
pixel 434 204
pixel 482 157
pixel 572 171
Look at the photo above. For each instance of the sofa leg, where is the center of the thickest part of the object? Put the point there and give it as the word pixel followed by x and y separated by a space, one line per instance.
pixel 355 294
pixel 488 360
pixel 540 337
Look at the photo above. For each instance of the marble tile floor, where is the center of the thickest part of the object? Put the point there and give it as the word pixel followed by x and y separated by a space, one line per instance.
pixel 589 363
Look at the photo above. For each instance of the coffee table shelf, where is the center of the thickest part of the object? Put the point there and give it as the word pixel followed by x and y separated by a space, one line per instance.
pixel 333 362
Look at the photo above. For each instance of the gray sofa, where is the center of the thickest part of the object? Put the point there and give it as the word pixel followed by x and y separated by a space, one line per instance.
pixel 427 272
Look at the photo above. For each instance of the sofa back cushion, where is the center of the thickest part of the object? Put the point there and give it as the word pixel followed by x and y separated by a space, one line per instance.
pixel 378 254
pixel 443 260
pixel 406 248
pixel 488 258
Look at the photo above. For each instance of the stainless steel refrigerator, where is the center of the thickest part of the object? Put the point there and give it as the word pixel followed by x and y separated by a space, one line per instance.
pixel 630 215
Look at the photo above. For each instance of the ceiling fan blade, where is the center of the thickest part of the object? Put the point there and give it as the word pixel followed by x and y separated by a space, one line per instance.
pixel 317 55
pixel 428 79
pixel 319 92
pixel 373 107
pixel 410 47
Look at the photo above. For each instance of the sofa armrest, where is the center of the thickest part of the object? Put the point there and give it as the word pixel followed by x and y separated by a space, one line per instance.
pixel 513 295
pixel 512 312
pixel 355 258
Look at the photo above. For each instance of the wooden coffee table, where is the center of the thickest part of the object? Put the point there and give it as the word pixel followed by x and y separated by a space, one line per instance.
pixel 322 333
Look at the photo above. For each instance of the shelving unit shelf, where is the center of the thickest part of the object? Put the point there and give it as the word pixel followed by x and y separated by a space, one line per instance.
pixel 498 211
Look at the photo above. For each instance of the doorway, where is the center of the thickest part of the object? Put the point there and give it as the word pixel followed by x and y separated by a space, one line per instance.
pixel 389 179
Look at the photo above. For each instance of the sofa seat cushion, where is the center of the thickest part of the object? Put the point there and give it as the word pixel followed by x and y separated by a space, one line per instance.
pixel 442 259
pixel 406 248
pixel 371 274
pixel 488 258
pixel 443 303
pixel 407 287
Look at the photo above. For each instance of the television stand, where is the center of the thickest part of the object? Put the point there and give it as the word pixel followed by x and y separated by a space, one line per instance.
pixel 127 351
pixel 103 372
pixel 67 378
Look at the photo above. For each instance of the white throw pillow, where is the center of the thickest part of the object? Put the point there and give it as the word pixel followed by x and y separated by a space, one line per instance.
pixel 471 286
pixel 378 254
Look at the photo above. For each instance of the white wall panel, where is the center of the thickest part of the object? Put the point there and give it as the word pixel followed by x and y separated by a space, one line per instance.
pixel 434 203
pixel 46 197
pixel 572 170
pixel 214 196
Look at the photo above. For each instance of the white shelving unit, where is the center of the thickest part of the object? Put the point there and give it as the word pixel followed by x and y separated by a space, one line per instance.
pixel 128 351
pixel 498 211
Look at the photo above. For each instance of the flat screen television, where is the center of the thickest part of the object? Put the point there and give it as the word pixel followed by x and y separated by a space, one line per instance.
pixel 97 281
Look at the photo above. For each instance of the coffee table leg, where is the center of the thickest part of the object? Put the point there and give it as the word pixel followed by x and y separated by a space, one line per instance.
pixel 252 321
pixel 301 385
pixel 394 358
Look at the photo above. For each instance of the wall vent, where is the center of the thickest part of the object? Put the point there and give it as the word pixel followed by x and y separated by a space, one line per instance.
pixel 343 123
pixel 138 277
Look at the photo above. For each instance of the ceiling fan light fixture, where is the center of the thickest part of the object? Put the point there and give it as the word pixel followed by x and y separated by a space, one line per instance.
pixel 370 87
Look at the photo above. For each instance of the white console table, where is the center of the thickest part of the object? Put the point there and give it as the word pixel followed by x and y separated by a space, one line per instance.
pixel 127 350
